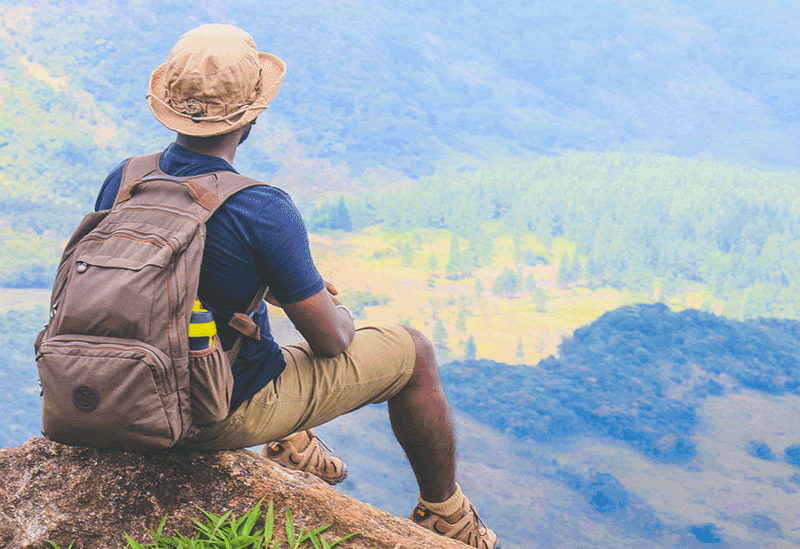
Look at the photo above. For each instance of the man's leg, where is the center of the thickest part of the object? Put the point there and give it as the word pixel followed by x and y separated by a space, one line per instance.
pixel 421 421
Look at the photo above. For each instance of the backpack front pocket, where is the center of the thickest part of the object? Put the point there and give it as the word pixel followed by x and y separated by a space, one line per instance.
pixel 107 393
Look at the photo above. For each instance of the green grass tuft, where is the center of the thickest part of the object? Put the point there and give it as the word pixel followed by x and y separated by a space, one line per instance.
pixel 227 532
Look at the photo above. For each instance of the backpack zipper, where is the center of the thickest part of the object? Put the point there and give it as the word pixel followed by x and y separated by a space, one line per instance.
pixel 172 291
pixel 162 370
pixel 133 235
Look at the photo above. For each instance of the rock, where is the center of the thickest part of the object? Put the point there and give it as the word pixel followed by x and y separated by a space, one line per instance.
pixel 65 494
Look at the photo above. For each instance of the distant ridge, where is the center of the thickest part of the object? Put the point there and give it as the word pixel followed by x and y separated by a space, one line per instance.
pixel 637 374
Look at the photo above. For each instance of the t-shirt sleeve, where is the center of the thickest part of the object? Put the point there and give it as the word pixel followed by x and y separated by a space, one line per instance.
pixel 110 188
pixel 284 254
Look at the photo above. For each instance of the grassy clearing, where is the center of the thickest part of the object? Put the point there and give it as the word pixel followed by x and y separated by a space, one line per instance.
pixel 371 260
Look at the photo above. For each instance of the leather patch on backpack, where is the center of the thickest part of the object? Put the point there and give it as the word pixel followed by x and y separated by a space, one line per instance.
pixel 85 398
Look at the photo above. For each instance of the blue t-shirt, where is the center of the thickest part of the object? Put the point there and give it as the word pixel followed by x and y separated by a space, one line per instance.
pixel 256 235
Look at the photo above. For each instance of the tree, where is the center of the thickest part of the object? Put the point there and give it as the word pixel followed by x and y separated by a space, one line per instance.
pixel 461 320
pixel 520 354
pixel 340 217
pixel 594 270
pixel 478 290
pixel 470 350
pixel 564 272
pixel 506 283
pixel 544 232
pixel 639 278
pixel 540 299
pixel 576 269
pixel 433 262
pixel 334 217
pixel 455 269
pixel 439 335
pixel 406 254
pixel 530 283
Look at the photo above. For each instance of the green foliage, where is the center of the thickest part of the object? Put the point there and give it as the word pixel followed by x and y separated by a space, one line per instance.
pixel 564 275
pixel 29 260
pixel 333 216
pixel 520 352
pixel 406 254
pixel 635 220
pixel 457 266
pixel 530 283
pixel 540 299
pixel 433 262
pixel 478 287
pixel 439 335
pixel 227 532
pixel 507 282
pixel 461 320
pixel 613 377
pixel 356 300
pixel 470 349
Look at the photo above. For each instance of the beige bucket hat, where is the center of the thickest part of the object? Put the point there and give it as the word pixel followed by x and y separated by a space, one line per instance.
pixel 214 81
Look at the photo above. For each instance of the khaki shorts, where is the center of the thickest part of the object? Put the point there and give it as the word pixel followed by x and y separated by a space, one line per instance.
pixel 312 390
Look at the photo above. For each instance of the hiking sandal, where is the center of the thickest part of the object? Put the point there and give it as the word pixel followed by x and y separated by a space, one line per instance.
pixel 314 459
pixel 469 529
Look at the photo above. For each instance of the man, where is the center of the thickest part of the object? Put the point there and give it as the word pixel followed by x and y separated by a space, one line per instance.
pixel 210 91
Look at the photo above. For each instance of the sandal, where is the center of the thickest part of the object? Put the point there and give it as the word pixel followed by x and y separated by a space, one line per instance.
pixel 314 459
pixel 469 529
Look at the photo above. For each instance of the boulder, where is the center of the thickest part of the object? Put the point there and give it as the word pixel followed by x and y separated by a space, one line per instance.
pixel 66 494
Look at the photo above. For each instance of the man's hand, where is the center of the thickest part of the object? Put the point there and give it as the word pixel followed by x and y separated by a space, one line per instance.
pixel 331 288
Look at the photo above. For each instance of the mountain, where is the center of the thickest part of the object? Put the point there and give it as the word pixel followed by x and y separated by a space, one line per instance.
pixel 405 84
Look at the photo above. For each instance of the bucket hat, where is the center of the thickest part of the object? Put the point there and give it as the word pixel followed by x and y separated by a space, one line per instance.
pixel 214 81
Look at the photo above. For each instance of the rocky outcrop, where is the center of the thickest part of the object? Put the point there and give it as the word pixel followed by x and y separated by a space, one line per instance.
pixel 49 491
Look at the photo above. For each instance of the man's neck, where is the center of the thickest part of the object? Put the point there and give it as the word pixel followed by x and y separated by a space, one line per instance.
pixel 221 146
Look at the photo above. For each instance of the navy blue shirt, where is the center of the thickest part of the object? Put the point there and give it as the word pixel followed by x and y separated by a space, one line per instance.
pixel 256 235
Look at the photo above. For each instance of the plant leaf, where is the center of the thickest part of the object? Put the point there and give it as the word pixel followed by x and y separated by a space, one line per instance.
pixel 252 517
pixel 289 528
pixel 268 526
pixel 348 536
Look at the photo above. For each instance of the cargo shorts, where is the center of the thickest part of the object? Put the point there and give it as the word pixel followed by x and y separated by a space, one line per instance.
pixel 314 390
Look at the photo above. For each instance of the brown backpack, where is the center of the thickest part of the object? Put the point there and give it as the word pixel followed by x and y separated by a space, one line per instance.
pixel 114 360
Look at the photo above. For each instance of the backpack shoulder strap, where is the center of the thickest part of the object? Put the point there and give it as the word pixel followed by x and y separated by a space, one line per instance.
pixel 230 183
pixel 136 168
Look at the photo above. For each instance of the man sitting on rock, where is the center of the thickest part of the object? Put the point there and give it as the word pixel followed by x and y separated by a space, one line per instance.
pixel 210 91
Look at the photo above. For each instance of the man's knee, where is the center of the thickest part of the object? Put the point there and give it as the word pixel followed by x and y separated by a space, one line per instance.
pixel 425 355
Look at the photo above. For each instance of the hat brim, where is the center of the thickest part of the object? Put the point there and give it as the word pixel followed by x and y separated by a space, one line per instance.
pixel 273 70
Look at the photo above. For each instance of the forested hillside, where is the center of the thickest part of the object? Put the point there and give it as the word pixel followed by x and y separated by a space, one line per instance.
pixel 640 222
pixel 400 84
pixel 438 101
pixel 638 374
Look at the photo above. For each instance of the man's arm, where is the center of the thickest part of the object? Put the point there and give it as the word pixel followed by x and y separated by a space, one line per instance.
pixel 327 329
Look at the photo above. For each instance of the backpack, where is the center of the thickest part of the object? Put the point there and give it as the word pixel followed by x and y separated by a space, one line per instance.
pixel 115 362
